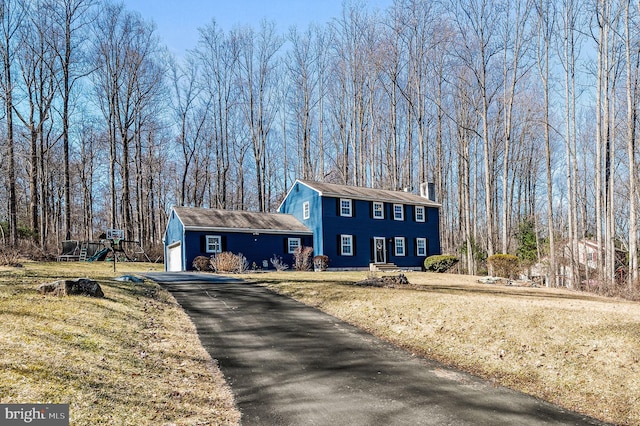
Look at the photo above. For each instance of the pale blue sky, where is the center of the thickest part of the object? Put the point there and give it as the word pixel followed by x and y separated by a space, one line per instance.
pixel 178 21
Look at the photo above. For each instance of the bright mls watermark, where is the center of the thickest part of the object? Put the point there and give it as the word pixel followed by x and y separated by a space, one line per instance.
pixel 34 414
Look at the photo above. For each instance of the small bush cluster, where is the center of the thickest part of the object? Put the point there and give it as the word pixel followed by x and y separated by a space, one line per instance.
pixel 440 263
pixel 9 257
pixel 229 262
pixel 504 265
pixel 201 263
pixel 278 263
pixel 302 258
pixel 320 262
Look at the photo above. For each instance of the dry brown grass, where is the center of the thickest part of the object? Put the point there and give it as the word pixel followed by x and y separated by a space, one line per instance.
pixel 132 358
pixel 573 349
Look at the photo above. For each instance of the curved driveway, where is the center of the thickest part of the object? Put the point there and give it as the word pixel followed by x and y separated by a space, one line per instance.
pixel 290 364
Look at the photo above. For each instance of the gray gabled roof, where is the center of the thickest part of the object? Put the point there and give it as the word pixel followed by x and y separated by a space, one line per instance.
pixel 202 219
pixel 369 194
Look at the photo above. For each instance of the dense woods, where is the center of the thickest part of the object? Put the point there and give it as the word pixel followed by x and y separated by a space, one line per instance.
pixel 522 112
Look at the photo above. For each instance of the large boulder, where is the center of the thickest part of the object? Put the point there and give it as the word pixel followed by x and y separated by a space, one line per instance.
pixel 82 286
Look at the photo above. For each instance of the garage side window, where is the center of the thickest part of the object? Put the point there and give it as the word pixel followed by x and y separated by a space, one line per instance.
pixel 214 244
pixel 292 244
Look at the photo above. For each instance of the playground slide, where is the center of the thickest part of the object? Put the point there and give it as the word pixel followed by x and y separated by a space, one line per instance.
pixel 100 255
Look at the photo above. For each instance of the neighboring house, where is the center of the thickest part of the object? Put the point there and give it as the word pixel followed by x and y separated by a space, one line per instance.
pixel 586 258
pixel 195 232
pixel 356 227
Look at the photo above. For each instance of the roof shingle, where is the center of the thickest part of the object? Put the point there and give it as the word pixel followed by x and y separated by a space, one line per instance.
pixel 372 194
pixel 194 218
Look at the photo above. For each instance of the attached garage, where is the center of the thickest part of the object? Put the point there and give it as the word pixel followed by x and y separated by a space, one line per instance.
pixel 193 232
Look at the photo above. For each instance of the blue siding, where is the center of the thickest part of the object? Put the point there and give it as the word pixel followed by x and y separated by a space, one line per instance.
pixel 364 227
pixel 327 225
pixel 256 248
pixel 293 204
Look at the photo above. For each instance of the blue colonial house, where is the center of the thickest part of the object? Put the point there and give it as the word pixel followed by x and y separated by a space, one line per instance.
pixel 358 227
pixel 355 227
pixel 195 232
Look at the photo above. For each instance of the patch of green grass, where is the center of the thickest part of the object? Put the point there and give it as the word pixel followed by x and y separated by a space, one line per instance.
pixel 130 358
pixel 574 349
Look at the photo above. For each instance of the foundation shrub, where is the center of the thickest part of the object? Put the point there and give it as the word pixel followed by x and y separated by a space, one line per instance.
pixel 320 262
pixel 302 258
pixel 440 263
pixel 227 262
pixel 278 263
pixel 201 263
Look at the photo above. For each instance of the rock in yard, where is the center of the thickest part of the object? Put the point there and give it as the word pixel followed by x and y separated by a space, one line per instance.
pixel 129 278
pixel 387 281
pixel 82 286
pixel 490 280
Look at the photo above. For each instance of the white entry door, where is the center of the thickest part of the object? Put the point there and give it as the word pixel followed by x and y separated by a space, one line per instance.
pixel 174 258
pixel 380 250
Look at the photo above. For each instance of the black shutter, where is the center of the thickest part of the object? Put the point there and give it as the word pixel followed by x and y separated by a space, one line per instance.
pixel 371 210
pixel 338 207
pixel 203 243
pixel 353 245
pixel 353 208
pixel 372 243
pixel 339 246
pixel 426 248
pixel 223 243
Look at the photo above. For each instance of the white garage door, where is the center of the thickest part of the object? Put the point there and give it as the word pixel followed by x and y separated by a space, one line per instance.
pixel 174 258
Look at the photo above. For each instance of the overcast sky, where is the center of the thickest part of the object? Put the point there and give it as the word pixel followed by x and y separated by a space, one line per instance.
pixel 178 21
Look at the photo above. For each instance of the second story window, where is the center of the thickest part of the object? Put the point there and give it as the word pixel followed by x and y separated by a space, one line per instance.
pixel 420 216
pixel 378 210
pixel 346 207
pixel 398 212
pixel 306 211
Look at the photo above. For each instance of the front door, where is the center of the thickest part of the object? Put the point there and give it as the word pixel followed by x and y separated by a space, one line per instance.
pixel 380 250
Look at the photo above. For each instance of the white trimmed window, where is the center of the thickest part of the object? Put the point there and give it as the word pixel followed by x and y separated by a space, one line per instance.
pixel 421 246
pixel 420 214
pixel 306 211
pixel 214 244
pixel 292 244
pixel 399 246
pixel 346 245
pixel 398 212
pixel 378 210
pixel 345 207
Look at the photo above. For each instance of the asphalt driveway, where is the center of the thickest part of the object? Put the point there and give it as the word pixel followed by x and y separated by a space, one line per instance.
pixel 290 364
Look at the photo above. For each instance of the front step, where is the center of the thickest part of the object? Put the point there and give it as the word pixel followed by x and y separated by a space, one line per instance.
pixel 383 267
